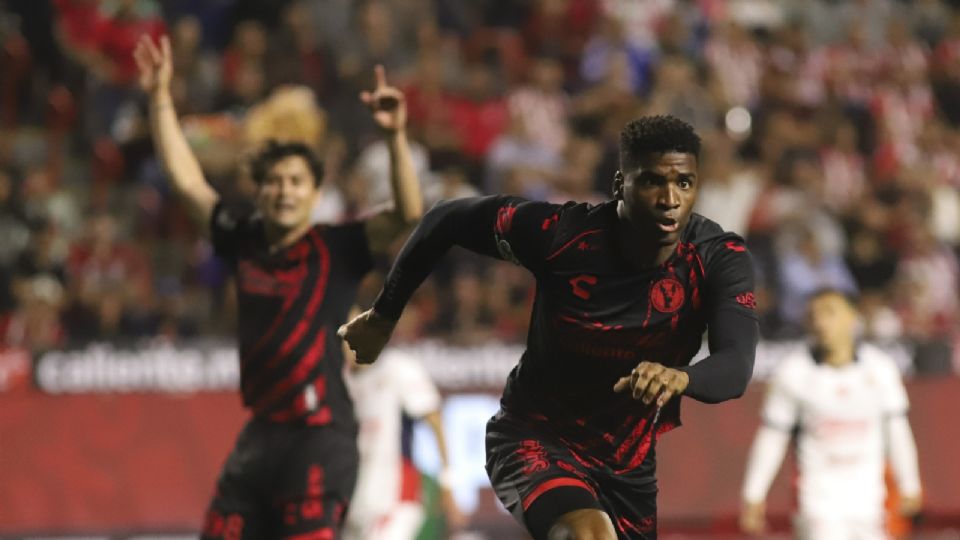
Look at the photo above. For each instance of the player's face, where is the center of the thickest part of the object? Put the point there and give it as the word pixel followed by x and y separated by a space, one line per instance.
pixel 288 193
pixel 831 320
pixel 658 194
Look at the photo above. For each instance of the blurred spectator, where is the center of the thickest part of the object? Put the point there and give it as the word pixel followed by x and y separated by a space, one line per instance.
pixel 804 269
pixel 543 105
pixel 841 168
pixel 197 79
pixel 517 164
pixel 728 189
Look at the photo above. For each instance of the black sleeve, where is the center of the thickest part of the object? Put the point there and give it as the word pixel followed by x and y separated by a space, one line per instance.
pixel 353 248
pixel 732 326
pixel 509 228
pixel 229 226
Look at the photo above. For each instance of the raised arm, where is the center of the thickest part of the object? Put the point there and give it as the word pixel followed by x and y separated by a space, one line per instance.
pixel 181 166
pixel 389 110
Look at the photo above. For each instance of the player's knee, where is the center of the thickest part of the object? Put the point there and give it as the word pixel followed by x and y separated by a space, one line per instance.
pixel 586 524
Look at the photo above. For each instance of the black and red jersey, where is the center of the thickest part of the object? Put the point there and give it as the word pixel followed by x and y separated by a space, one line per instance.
pixel 595 316
pixel 290 304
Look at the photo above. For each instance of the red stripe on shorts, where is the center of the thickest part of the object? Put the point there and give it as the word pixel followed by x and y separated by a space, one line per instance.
pixel 553 484
pixel 321 534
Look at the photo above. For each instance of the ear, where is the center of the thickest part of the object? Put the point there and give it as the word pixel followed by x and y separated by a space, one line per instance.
pixel 618 186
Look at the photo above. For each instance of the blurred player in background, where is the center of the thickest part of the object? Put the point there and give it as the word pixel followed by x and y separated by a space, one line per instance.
pixel 387 503
pixel 625 291
pixel 294 465
pixel 849 404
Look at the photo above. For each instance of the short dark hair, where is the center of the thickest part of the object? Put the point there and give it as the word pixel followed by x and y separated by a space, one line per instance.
pixel 657 134
pixel 275 150
pixel 849 297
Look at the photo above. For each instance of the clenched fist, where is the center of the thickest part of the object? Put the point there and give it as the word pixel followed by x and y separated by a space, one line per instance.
pixel 367 334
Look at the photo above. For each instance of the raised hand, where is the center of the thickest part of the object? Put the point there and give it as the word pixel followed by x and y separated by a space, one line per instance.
pixel 651 381
pixel 367 334
pixel 155 64
pixel 386 103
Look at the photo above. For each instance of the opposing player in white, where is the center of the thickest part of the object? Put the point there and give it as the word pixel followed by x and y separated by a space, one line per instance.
pixel 849 404
pixel 386 504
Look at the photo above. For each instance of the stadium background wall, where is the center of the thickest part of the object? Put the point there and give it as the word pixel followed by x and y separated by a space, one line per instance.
pixel 126 460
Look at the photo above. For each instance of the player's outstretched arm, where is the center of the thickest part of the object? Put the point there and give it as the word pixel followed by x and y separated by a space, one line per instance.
pixel 465 222
pixel 155 64
pixel 389 110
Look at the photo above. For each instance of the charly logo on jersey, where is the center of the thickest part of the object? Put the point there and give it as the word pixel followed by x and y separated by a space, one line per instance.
pixel 667 295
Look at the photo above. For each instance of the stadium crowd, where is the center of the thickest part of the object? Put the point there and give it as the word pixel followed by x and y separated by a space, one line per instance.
pixel 831 130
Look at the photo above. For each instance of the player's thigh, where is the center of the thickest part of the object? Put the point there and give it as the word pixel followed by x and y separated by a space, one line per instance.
pixel 402 523
pixel 313 484
pixel 236 511
pixel 631 500
pixel 586 524
pixel 535 477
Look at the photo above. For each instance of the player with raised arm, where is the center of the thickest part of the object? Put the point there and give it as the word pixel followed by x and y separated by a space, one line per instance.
pixel 625 291
pixel 848 402
pixel 294 465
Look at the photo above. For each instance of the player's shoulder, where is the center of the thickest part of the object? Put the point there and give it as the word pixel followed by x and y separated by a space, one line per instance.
pixel 235 215
pixel 875 359
pixel 572 218
pixel 795 365
pixel 710 238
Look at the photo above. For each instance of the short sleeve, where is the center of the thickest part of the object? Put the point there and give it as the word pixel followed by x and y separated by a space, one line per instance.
pixel 730 277
pixel 419 396
pixel 352 247
pixel 893 394
pixel 228 228
pixel 781 409
pixel 524 230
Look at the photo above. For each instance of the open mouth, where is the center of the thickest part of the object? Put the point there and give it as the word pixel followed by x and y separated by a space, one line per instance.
pixel 668 225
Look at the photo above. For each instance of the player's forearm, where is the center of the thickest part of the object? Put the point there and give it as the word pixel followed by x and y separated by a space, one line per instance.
pixel 903 455
pixel 407 198
pixel 766 455
pixel 435 422
pixel 726 373
pixel 465 222
pixel 177 158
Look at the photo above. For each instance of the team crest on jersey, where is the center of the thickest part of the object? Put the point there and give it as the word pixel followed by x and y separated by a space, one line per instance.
pixel 667 295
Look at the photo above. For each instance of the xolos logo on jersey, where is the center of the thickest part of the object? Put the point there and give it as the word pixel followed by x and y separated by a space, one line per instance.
pixel 667 295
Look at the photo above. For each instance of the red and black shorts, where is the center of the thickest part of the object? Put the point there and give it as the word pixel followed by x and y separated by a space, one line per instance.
pixel 285 481
pixel 538 479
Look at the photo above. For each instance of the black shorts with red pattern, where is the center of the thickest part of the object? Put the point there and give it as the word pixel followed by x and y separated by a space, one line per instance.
pixel 538 479
pixel 284 480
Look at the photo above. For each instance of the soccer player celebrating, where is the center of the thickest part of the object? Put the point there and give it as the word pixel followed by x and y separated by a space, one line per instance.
pixel 294 465
pixel 849 404
pixel 625 290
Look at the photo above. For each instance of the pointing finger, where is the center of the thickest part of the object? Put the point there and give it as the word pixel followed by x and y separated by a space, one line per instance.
pixel 381 76
pixel 165 49
pixel 153 51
